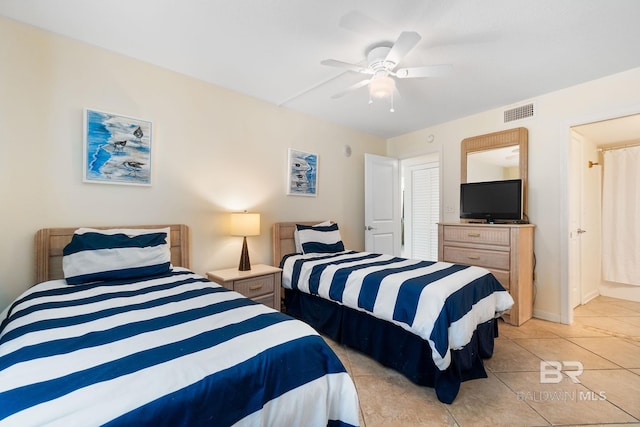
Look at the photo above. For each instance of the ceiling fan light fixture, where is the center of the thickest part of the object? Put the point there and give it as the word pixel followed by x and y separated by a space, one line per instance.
pixel 382 60
pixel 381 87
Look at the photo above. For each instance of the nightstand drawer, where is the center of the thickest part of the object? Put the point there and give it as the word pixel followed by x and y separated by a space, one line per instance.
pixel 266 300
pixel 255 286
pixel 261 283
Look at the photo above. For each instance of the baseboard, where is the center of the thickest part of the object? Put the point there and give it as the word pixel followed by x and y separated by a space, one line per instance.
pixel 620 291
pixel 545 315
pixel 589 296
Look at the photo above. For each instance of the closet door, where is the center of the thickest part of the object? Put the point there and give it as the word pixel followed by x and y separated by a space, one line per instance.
pixel 422 210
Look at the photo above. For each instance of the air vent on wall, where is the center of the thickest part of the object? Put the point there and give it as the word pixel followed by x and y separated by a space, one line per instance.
pixel 518 113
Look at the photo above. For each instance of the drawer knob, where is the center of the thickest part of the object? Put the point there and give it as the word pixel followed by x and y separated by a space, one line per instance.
pixel 255 287
pixel 474 234
pixel 473 257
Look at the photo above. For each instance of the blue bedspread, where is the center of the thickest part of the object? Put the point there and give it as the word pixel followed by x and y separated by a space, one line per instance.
pixel 167 350
pixel 440 302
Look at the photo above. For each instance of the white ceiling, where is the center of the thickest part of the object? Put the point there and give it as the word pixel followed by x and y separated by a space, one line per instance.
pixel 501 51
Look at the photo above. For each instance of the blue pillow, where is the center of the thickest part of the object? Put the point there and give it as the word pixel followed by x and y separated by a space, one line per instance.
pixel 97 255
pixel 320 239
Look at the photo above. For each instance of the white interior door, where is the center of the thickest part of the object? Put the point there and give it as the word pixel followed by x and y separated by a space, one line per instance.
pixel 591 223
pixel 574 202
pixel 382 205
pixel 585 213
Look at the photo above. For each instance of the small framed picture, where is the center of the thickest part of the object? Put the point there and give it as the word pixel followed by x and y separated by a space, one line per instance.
pixel 117 149
pixel 302 173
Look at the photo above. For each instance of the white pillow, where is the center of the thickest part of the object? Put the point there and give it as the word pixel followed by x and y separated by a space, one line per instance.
pixel 296 235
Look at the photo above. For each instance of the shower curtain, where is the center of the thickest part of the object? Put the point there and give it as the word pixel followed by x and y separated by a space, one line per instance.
pixel 621 216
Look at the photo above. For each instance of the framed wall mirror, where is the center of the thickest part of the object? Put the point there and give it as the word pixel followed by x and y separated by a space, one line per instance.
pixel 496 156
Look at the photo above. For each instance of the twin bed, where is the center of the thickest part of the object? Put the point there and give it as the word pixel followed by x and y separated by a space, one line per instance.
pixel 432 321
pixel 119 331
pixel 152 343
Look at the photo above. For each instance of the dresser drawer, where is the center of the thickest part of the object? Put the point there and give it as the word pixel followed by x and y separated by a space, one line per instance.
pixel 482 258
pixel 506 250
pixel 483 235
pixel 503 277
pixel 255 286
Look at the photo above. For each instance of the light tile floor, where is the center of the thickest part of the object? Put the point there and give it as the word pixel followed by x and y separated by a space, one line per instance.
pixel 604 338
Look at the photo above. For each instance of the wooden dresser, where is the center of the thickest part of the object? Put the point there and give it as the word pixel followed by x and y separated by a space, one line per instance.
pixel 504 249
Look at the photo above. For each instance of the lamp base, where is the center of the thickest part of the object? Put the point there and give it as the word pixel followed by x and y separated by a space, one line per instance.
pixel 245 264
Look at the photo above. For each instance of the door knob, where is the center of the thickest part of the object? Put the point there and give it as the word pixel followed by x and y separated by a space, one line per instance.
pixel 580 231
pixel 369 228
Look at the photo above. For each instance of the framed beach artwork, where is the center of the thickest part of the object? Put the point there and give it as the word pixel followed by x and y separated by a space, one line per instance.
pixel 117 149
pixel 302 173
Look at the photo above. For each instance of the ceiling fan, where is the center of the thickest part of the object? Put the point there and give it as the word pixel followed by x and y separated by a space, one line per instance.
pixel 382 61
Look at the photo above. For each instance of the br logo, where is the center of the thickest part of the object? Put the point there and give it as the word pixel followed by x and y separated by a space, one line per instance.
pixel 551 371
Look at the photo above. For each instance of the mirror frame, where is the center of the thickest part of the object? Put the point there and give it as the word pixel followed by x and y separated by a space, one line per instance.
pixel 506 138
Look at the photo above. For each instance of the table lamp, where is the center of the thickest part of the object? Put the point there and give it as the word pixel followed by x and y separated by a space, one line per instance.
pixel 245 224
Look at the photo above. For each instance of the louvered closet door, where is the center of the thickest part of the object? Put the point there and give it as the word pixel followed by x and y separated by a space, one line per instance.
pixel 422 197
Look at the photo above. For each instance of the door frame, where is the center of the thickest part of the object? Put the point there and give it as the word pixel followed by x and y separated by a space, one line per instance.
pixel 566 310
pixel 436 151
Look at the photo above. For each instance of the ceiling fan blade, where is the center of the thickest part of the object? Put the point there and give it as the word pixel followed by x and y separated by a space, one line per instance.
pixel 426 71
pixel 406 41
pixel 346 65
pixel 351 88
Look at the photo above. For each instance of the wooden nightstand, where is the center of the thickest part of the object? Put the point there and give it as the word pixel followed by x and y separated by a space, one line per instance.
pixel 261 283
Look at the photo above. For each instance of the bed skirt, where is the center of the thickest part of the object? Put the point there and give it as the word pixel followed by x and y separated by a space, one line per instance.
pixel 393 346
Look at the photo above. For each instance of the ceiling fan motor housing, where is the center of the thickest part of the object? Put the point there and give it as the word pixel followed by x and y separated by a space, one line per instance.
pixel 376 59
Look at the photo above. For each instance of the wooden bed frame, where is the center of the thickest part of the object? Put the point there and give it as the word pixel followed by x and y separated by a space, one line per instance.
pixel 51 241
pixel 283 242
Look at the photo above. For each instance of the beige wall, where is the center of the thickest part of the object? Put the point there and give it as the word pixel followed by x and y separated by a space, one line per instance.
pixel 612 96
pixel 214 151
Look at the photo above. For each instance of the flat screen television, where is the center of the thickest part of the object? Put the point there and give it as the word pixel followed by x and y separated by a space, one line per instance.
pixel 492 201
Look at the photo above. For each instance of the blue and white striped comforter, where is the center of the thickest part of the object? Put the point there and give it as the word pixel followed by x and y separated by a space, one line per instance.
pixel 169 350
pixel 441 302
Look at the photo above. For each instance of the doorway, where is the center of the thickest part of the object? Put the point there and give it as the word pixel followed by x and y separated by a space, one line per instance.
pixel 402 205
pixel 584 204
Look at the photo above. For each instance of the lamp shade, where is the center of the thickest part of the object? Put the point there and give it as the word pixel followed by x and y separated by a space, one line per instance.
pixel 245 224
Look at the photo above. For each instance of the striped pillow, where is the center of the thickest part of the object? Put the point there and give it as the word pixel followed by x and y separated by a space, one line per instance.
pixel 95 255
pixel 296 236
pixel 320 239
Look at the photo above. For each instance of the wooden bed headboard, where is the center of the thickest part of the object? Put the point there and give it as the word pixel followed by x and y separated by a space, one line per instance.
pixel 283 242
pixel 51 241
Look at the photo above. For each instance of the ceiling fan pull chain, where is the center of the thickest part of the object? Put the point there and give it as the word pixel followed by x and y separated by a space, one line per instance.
pixel 392 109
